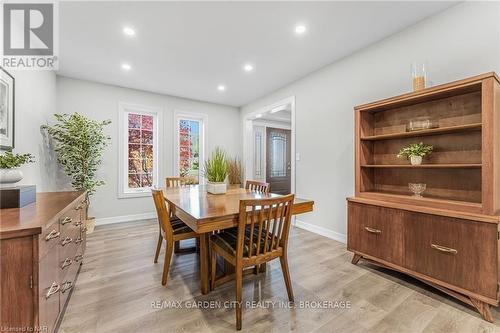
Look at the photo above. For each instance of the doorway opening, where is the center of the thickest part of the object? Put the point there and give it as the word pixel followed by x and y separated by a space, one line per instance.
pixel 269 146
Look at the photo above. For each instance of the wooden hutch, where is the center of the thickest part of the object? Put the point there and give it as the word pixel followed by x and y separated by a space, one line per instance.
pixel 449 238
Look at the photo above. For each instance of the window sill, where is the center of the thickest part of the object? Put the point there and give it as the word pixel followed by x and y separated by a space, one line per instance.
pixel 129 195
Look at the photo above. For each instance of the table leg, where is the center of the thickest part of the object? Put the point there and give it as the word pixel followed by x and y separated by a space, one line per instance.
pixel 204 264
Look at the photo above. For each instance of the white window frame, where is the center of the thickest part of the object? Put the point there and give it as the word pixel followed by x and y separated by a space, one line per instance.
pixel 123 110
pixel 203 120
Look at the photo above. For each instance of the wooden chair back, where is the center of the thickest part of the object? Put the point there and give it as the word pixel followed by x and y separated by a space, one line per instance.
pixel 162 212
pixel 176 181
pixel 263 227
pixel 254 185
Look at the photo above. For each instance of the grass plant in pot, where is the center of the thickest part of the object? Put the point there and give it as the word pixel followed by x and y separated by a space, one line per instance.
pixel 415 152
pixel 10 164
pixel 79 144
pixel 216 171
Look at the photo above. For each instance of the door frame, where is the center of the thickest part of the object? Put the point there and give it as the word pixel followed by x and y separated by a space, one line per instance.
pixel 248 142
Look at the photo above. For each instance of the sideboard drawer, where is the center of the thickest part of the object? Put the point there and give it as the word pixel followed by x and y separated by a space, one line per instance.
pixel 49 288
pixel 441 248
pixel 50 236
pixel 375 231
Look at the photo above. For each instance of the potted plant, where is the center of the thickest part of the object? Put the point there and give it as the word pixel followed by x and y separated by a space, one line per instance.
pixel 415 152
pixel 80 144
pixel 10 164
pixel 216 172
pixel 235 171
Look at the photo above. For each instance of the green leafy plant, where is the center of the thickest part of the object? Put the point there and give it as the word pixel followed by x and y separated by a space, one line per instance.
pixel 216 169
pixel 79 144
pixel 235 171
pixel 11 161
pixel 415 149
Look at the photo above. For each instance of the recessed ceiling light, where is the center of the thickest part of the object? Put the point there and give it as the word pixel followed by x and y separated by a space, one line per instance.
pixel 129 31
pixel 221 87
pixel 258 116
pixel 126 66
pixel 300 29
pixel 248 67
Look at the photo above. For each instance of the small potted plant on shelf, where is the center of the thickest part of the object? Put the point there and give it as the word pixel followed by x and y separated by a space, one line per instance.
pixel 10 164
pixel 216 172
pixel 415 152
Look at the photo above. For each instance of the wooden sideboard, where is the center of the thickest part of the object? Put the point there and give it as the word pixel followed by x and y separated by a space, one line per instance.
pixel 449 238
pixel 41 248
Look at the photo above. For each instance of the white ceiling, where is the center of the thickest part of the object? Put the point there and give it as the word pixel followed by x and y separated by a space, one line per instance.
pixel 188 49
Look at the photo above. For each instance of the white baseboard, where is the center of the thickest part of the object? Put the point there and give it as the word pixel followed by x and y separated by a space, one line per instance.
pixel 321 231
pixel 125 218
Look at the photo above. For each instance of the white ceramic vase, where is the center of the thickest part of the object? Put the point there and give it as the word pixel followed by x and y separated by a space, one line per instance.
pixel 10 176
pixel 416 160
pixel 216 188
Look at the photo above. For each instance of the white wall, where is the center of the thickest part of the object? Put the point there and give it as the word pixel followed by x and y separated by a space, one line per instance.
pixel 100 101
pixel 460 42
pixel 35 102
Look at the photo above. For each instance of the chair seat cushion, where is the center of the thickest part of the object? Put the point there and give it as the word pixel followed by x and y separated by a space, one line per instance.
pixel 179 226
pixel 228 238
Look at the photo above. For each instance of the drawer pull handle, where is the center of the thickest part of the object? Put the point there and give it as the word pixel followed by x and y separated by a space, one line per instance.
pixel 444 249
pixel 66 263
pixel 66 240
pixel 78 223
pixel 53 234
pixel 66 286
pixel 78 258
pixel 373 231
pixel 66 220
pixel 79 240
pixel 54 288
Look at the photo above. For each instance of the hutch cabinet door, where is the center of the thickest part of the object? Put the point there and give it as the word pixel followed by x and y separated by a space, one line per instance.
pixel 375 231
pixel 459 252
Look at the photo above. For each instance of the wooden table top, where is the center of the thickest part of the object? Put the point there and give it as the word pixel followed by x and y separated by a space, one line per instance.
pixel 196 207
pixel 32 218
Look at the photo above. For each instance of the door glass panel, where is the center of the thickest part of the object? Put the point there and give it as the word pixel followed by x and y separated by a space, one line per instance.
pixel 279 150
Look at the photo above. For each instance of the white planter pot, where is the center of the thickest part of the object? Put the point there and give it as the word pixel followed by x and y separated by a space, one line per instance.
pixel 9 176
pixel 416 160
pixel 216 188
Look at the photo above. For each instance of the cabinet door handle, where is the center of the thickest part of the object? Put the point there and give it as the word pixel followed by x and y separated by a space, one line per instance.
pixel 79 240
pixel 78 258
pixel 54 288
pixel 53 234
pixel 373 231
pixel 66 220
pixel 66 286
pixel 444 249
pixel 78 223
pixel 66 263
pixel 66 240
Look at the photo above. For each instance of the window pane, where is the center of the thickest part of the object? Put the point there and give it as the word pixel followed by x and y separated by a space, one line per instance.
pixel 140 150
pixel 189 149
pixel 134 120
pixel 278 160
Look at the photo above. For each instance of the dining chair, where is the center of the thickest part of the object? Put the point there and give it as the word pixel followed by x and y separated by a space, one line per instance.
pixel 261 236
pixel 171 230
pixel 179 182
pixel 254 185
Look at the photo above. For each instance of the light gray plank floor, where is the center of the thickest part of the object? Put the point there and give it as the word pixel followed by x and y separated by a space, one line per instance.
pixel 119 290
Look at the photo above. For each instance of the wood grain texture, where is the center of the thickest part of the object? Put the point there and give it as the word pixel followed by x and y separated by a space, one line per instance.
pixel 34 218
pixel 118 258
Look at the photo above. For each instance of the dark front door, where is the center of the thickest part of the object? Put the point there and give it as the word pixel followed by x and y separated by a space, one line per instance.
pixel 278 160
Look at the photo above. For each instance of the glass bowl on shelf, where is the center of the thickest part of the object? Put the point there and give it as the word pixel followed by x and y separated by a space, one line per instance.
pixel 421 123
pixel 417 189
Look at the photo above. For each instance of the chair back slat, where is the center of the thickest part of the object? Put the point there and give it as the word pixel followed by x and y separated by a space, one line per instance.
pixel 263 226
pixel 257 186
pixel 176 181
pixel 162 212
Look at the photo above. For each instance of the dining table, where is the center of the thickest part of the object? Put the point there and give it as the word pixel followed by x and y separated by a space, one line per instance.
pixel 206 213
